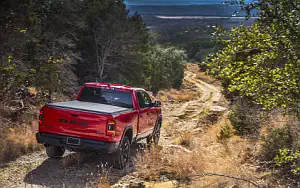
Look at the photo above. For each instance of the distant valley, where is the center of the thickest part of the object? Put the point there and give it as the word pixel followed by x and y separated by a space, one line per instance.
pixel 190 27
pixel 161 16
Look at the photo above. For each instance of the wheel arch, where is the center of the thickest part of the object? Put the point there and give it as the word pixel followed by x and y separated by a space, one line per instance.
pixel 128 131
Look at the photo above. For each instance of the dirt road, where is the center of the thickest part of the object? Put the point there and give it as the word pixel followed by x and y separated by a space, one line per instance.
pixel 74 170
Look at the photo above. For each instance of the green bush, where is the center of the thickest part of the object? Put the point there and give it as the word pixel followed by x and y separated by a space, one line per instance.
pixel 225 133
pixel 288 161
pixel 165 67
pixel 276 139
pixel 245 118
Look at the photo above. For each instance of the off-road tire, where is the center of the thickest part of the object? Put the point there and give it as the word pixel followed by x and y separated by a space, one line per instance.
pixel 156 133
pixel 54 151
pixel 122 157
pixel 154 138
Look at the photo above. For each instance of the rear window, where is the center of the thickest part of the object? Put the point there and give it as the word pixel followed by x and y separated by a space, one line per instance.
pixel 106 96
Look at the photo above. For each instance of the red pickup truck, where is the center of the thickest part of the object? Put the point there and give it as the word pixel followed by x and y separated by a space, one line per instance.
pixel 104 118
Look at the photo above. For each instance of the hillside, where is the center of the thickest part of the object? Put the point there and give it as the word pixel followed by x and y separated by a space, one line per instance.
pixel 229 88
pixel 190 152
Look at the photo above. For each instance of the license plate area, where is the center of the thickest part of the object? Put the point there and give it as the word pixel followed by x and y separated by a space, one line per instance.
pixel 73 141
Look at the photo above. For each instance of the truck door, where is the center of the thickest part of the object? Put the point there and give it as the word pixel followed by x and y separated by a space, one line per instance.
pixel 152 111
pixel 144 113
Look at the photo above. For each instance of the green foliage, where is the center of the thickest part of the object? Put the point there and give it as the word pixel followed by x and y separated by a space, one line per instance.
pixel 32 46
pixel 48 75
pixel 198 41
pixel 275 140
pixel 281 149
pixel 251 65
pixel 56 45
pixel 289 160
pixel 245 118
pixel 13 75
pixel 225 133
pixel 164 67
pixel 262 62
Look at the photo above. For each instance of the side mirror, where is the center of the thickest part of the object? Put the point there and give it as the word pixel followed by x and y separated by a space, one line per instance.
pixel 157 104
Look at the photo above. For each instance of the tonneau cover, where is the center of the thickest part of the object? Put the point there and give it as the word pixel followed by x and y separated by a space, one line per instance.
pixel 90 107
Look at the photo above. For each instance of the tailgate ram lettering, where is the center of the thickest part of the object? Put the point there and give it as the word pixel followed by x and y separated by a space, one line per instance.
pixel 74 122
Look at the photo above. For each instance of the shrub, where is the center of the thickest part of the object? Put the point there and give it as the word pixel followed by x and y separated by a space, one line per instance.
pixel 277 139
pixel 225 133
pixel 288 161
pixel 245 118
pixel 165 67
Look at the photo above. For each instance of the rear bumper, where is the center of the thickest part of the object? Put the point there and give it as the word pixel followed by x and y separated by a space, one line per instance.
pixel 85 144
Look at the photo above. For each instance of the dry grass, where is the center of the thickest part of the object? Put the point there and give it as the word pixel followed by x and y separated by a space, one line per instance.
pixel 182 97
pixel 185 97
pixel 97 181
pixel 207 78
pixel 178 95
pixel 16 142
pixel 101 181
pixel 104 182
pixel 152 165
pixel 18 127
pixel 185 140
pixel 202 75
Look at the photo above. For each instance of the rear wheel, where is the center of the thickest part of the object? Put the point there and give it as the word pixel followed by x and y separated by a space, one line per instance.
pixel 54 151
pixel 123 155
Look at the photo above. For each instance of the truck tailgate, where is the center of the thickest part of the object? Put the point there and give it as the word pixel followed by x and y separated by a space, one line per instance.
pixel 75 123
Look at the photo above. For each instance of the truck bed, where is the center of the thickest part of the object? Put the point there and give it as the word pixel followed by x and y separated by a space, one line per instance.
pixel 90 107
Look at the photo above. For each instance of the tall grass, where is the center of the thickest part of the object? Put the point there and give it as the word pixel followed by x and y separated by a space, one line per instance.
pixel 16 142
pixel 153 164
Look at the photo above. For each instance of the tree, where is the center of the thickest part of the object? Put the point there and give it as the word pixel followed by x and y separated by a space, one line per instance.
pixel 165 67
pixel 262 62
pixel 36 35
pixel 111 41
pixel 56 45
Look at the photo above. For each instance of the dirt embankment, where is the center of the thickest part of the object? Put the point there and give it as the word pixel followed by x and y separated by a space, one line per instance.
pixel 190 153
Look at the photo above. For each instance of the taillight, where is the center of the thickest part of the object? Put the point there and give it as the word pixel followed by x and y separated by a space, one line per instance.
pixel 41 118
pixel 111 128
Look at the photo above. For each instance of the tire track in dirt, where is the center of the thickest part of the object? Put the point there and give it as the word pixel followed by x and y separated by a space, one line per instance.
pixel 218 157
pixel 210 94
pixel 184 117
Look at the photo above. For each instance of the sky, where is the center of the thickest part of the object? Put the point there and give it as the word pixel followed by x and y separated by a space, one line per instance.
pixel 172 2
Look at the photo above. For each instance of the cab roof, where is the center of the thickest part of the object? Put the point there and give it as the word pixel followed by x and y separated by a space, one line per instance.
pixel 117 86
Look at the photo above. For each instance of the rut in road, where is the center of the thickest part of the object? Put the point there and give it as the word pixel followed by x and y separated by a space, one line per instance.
pixel 210 94
pixel 184 116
